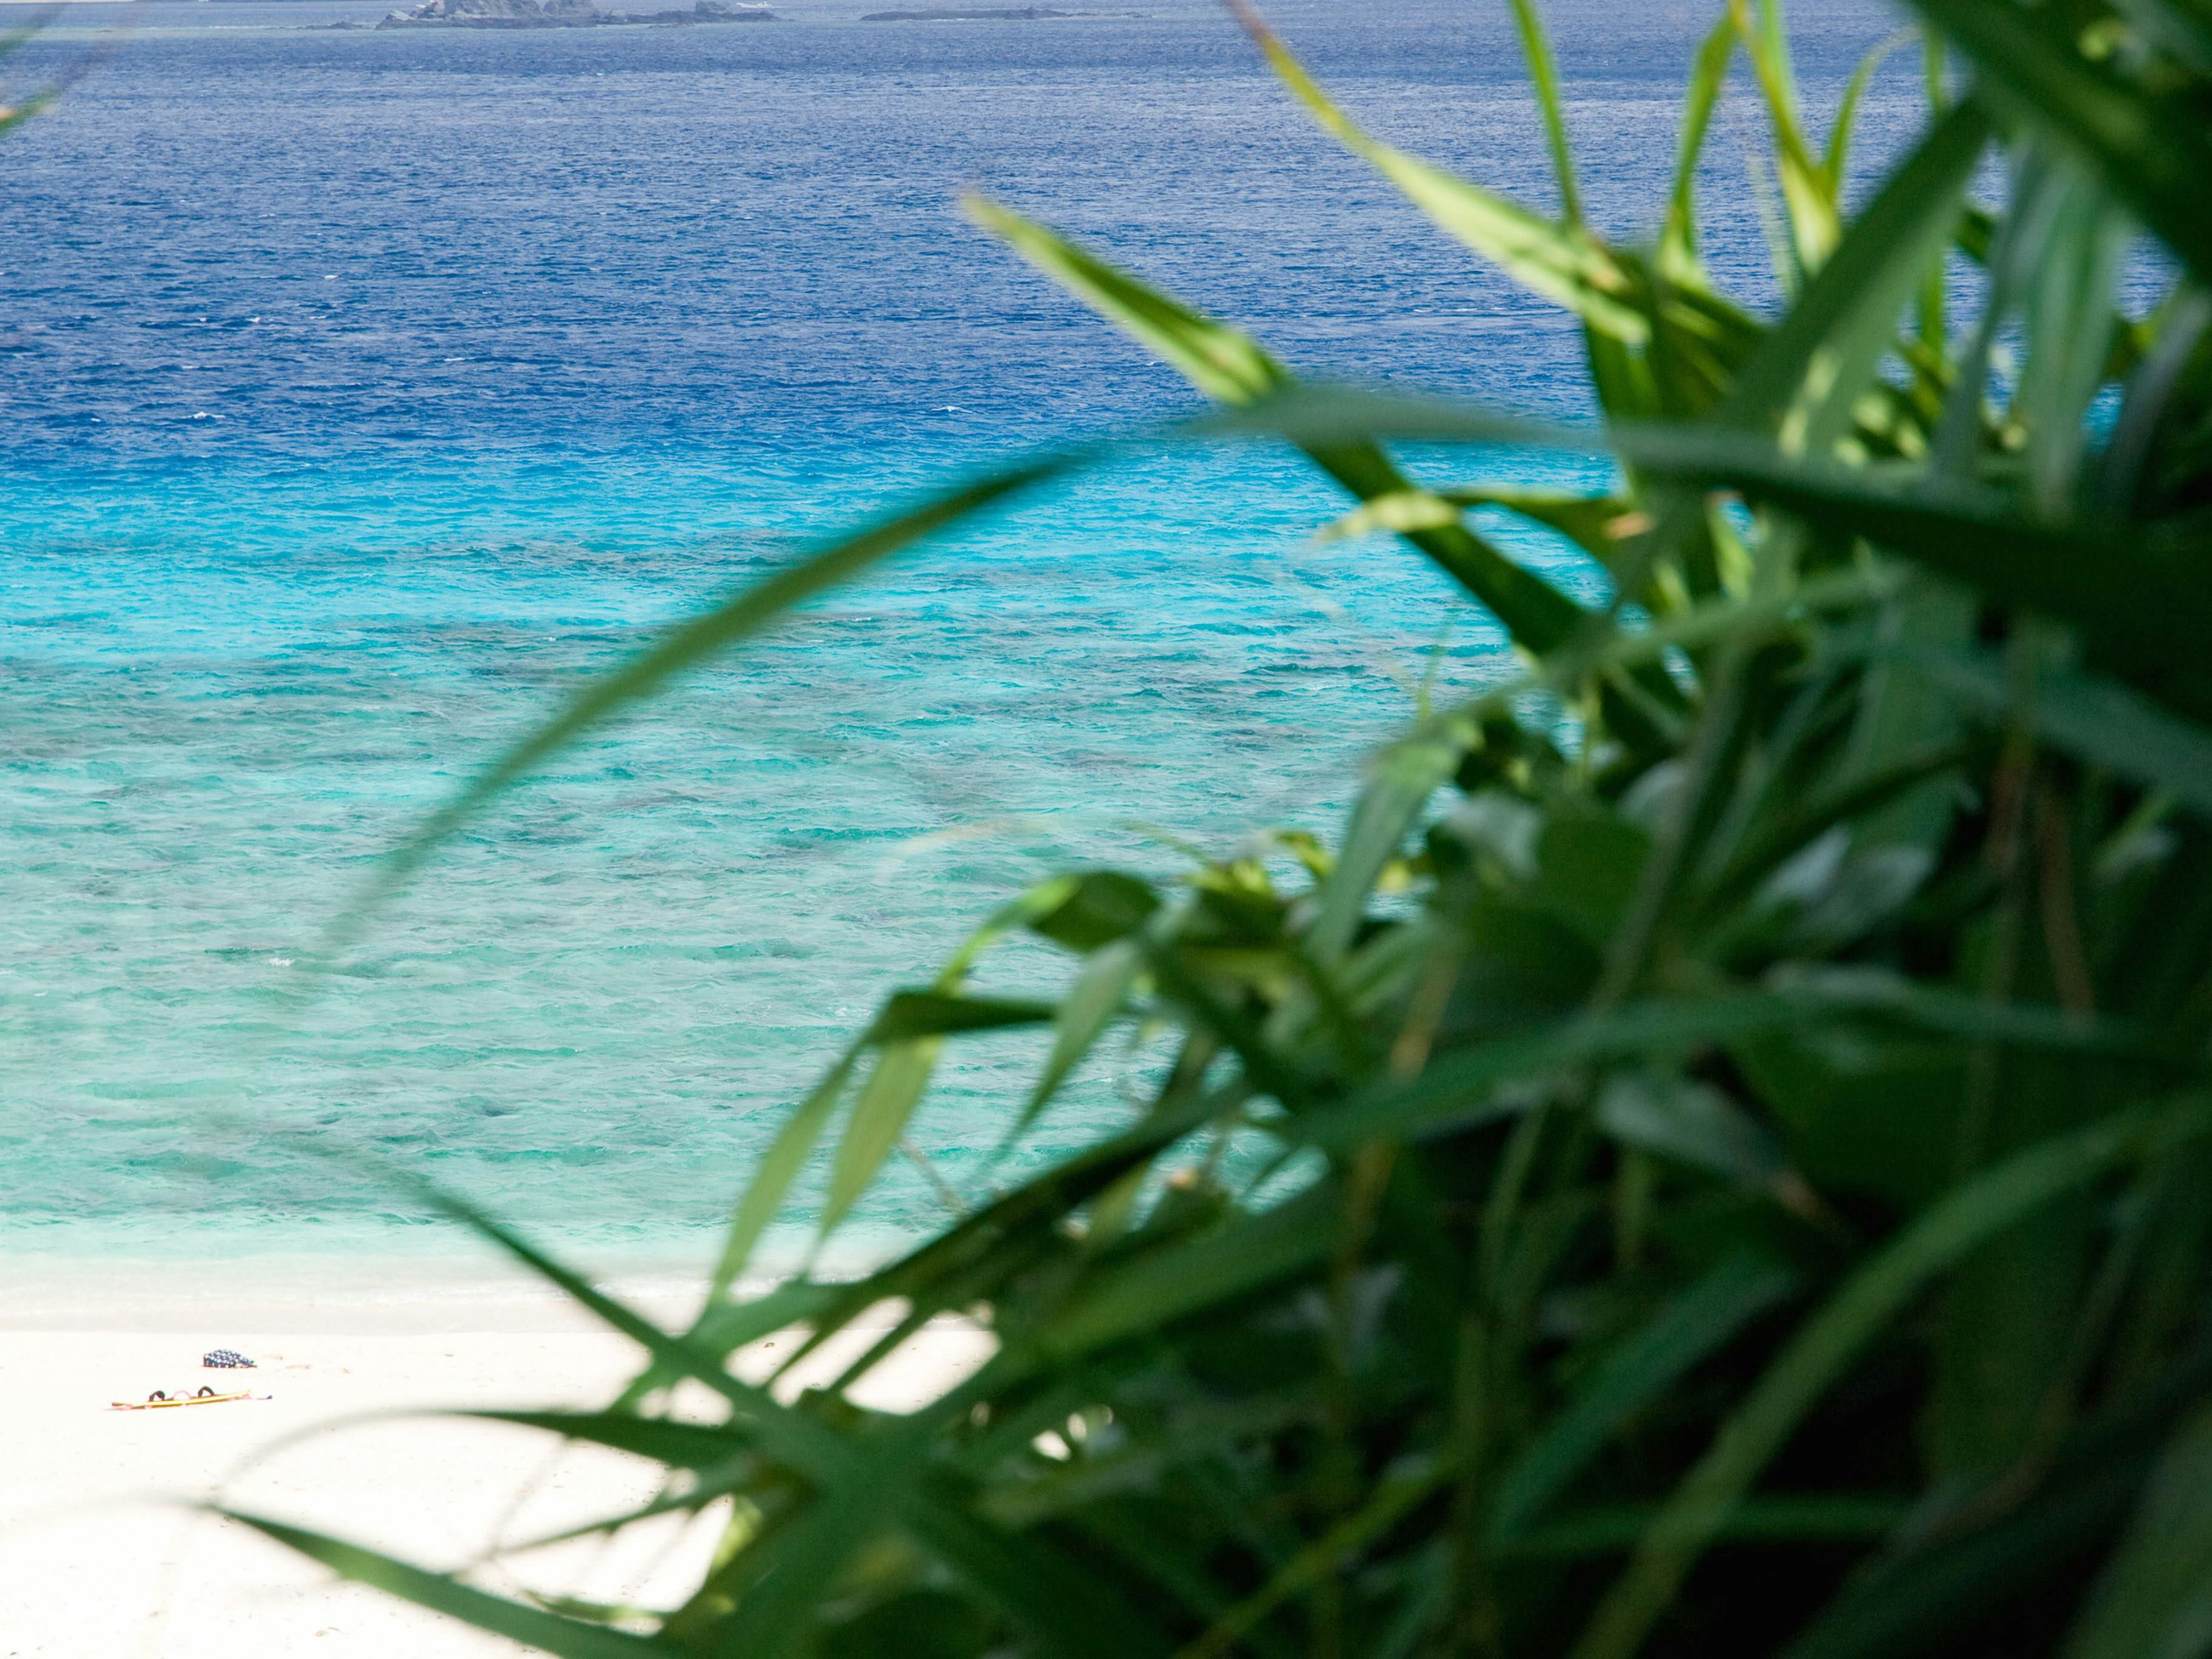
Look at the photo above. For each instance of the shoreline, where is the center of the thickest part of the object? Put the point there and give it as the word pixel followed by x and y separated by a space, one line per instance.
pixel 410 1280
pixel 102 1554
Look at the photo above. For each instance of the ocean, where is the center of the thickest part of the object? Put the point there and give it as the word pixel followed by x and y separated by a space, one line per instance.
pixel 361 392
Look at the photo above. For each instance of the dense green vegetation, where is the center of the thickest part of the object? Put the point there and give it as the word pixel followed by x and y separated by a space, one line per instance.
pixel 1714 1159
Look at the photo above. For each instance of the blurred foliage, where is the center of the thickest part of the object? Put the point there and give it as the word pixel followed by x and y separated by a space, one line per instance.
pixel 1713 1160
pixel 57 68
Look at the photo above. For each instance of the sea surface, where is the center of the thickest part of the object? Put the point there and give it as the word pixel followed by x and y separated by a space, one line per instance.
pixel 362 392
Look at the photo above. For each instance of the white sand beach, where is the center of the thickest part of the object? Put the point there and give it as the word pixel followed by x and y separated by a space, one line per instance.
pixel 101 1558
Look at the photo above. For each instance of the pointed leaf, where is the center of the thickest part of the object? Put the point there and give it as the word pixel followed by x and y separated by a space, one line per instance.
pixel 1099 907
pixel 1566 265
pixel 1225 363
pixel 879 1117
pixel 442 1593
pixel 1183 1277
pixel 779 1167
pixel 1808 373
pixel 2089 575
pixel 1847 112
pixel 1689 1122
pixel 1100 988
pixel 748 613
pixel 911 1014
pixel 1805 190
pixel 1544 77
pixel 2097 718
pixel 1405 776
pixel 1709 74
pixel 1228 365
pixel 1399 511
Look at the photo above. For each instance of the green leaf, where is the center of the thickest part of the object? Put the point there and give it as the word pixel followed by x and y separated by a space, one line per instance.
pixel 1225 363
pixel 1101 987
pixel 810 1447
pixel 2155 1596
pixel 1065 1607
pixel 1790 830
pixel 1458 1089
pixel 1393 1496
pixel 2085 714
pixel 1100 906
pixel 894 1089
pixel 679 1445
pixel 786 1576
pixel 442 1593
pixel 779 1167
pixel 1693 1325
pixel 1544 77
pixel 1404 776
pixel 1401 510
pixel 1808 374
pixel 1182 1278
pixel 1596 524
pixel 2154 154
pixel 1847 111
pixel 2088 574
pixel 750 611
pixel 993 1235
pixel 1678 239
pixel 1565 265
pixel 1975 1211
pixel 908 1015
pixel 1229 367
pixel 1689 1122
pixel 2069 324
pixel 1813 223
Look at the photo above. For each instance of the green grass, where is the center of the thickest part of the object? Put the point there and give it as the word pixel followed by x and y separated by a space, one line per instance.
pixel 1746 1192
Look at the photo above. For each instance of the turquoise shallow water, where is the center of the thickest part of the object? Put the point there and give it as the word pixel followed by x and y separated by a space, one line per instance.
pixel 364 391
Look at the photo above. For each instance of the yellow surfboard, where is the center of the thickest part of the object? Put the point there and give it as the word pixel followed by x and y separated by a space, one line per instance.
pixel 158 1400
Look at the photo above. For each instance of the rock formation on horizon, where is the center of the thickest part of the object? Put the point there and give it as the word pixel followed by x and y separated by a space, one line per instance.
pixel 965 15
pixel 560 15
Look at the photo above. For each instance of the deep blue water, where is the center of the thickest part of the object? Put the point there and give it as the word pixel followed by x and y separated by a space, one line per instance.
pixel 362 392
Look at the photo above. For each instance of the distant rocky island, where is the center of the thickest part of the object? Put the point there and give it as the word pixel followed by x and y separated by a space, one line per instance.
pixel 559 15
pixel 964 15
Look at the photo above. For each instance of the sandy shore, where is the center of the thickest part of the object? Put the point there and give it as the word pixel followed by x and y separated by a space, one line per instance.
pixel 99 1559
